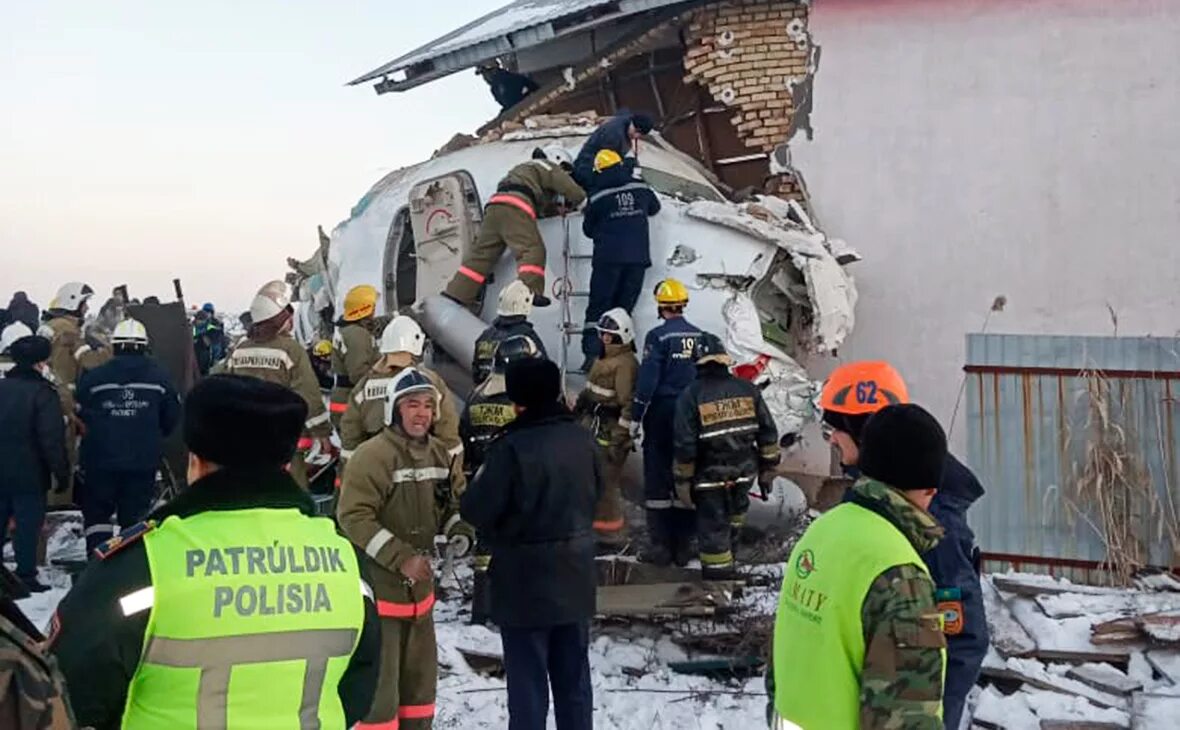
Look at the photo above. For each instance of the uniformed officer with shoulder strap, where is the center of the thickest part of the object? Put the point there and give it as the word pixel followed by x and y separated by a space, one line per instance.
pixel 233 606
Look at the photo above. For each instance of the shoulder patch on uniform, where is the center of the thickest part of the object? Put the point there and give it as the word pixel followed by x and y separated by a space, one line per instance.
pixel 127 537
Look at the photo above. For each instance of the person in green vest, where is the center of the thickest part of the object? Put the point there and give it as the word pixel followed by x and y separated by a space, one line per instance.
pixel 232 606
pixel 858 640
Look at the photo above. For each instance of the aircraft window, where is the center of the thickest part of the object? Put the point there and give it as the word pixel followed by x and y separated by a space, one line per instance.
pixel 680 187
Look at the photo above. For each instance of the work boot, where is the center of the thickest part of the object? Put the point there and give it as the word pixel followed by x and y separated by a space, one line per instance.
pixel 540 300
pixel 481 601
pixel 34 585
pixel 682 553
pixel 656 554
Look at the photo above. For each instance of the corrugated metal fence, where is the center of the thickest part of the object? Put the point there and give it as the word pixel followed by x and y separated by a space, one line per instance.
pixel 1030 417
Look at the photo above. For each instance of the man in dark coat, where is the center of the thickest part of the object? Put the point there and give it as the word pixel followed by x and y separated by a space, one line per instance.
pixel 20 309
pixel 32 451
pixel 508 87
pixel 533 502
pixel 618 133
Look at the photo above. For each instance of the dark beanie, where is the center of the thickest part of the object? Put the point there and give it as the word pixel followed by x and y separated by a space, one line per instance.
pixel 239 421
pixel 533 382
pixel 643 123
pixel 904 447
pixel 30 350
pixel 853 425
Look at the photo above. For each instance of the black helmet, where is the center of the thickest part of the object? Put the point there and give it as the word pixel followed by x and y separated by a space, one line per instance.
pixel 511 349
pixel 709 348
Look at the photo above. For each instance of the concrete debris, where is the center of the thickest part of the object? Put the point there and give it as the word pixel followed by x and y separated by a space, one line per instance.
pixel 1035 709
pixel 1008 636
pixel 1065 605
pixel 682 255
pixel 541 126
pixel 1158 582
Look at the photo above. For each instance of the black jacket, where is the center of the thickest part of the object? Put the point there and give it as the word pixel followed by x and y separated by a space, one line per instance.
pixel 32 433
pixel 508 87
pixel 20 309
pixel 616 216
pixel 610 135
pixel 533 503
pixel 501 329
pixel 127 401
pixel 98 649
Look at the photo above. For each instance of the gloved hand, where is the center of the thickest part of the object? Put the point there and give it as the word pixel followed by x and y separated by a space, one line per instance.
pixel 460 539
pixel 765 485
pixel 684 493
pixel 636 430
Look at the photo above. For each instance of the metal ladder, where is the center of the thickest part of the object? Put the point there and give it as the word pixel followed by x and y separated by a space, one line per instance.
pixel 564 290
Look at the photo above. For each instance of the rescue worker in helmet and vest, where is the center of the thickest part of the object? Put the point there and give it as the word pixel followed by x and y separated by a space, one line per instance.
pixel 129 406
pixel 233 606
pixel 725 443
pixel 401 347
pixel 851 394
pixel 604 406
pixel 73 351
pixel 355 346
pixel 512 319
pixel 488 411
pixel 538 188
pixel 666 370
pixel 270 352
pixel 401 488
pixel 858 639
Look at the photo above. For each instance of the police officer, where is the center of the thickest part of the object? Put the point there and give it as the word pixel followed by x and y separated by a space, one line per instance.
pixel 234 606
pixel 725 442
pixel 858 639
pixel 270 352
pixel 401 489
pixel 129 407
pixel 604 406
pixel 667 369
pixel 355 346
pixel 488 411
pixel 512 318
pixel 401 347
pixel 534 189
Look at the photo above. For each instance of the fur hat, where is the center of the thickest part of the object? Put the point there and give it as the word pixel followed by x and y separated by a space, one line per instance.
pixel 904 447
pixel 239 421
pixel 30 350
pixel 532 382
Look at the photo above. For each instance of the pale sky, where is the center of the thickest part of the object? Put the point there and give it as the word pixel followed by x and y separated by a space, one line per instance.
pixel 142 140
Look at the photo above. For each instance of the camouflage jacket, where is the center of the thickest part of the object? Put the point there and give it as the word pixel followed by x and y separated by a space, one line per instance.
pixel 32 692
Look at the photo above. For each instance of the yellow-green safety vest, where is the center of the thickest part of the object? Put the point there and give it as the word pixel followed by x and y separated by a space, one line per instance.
pixel 819 646
pixel 254 618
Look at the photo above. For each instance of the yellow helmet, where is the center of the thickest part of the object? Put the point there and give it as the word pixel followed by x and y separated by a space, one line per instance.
pixel 605 159
pixel 671 293
pixel 360 302
pixel 323 348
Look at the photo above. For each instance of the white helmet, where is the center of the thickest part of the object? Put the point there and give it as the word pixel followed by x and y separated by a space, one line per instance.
pixel 12 333
pixel 557 154
pixel 71 296
pixel 617 322
pixel 407 382
pixel 270 301
pixel 516 299
pixel 402 335
pixel 130 332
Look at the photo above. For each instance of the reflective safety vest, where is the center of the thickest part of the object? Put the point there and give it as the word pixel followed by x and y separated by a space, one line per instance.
pixel 254 618
pixel 819 646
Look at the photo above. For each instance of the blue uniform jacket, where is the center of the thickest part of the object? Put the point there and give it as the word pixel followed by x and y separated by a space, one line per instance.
pixel 610 135
pixel 668 367
pixel 129 407
pixel 616 216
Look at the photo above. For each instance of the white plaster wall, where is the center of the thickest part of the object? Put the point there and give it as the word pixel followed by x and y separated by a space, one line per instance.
pixel 972 148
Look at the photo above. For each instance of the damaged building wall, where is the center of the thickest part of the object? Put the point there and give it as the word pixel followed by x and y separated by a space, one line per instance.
pixel 971 154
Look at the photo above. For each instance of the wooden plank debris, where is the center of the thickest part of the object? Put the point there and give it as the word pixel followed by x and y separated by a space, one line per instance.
pixel 1081 725
pixel 1152 711
pixel 1007 634
pixel 1034 674
pixel 1163 628
pixel 1025 584
pixel 482 662
pixel 1158 582
pixel 666 599
pixel 1166 663
pixel 1105 678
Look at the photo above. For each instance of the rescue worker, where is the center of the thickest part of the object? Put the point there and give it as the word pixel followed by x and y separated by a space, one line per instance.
pixel 666 370
pixel 32 451
pixel 508 87
pixel 616 220
pixel 604 406
pixel 209 341
pixel 538 188
pixel 271 353
pixel 726 442
pixel 320 355
pixel 858 639
pixel 513 308
pixel 401 347
pixel 129 406
pixel 32 690
pixel 620 134
pixel 234 588
pixel 354 348
pixel 73 351
pixel 533 500
pixel 852 393
pixel 10 334
pixel 401 489
pixel 488 411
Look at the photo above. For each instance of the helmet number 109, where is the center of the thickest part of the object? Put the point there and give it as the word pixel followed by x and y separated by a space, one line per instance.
pixel 866 392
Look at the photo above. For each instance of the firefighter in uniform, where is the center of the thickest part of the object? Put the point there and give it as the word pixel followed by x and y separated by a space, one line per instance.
pixel 666 370
pixel 73 351
pixel 604 406
pixel 512 318
pixel 488 411
pixel 354 349
pixel 401 489
pixel 233 606
pixel 401 347
pixel 725 442
pixel 270 352
pixel 9 335
pixel 529 191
